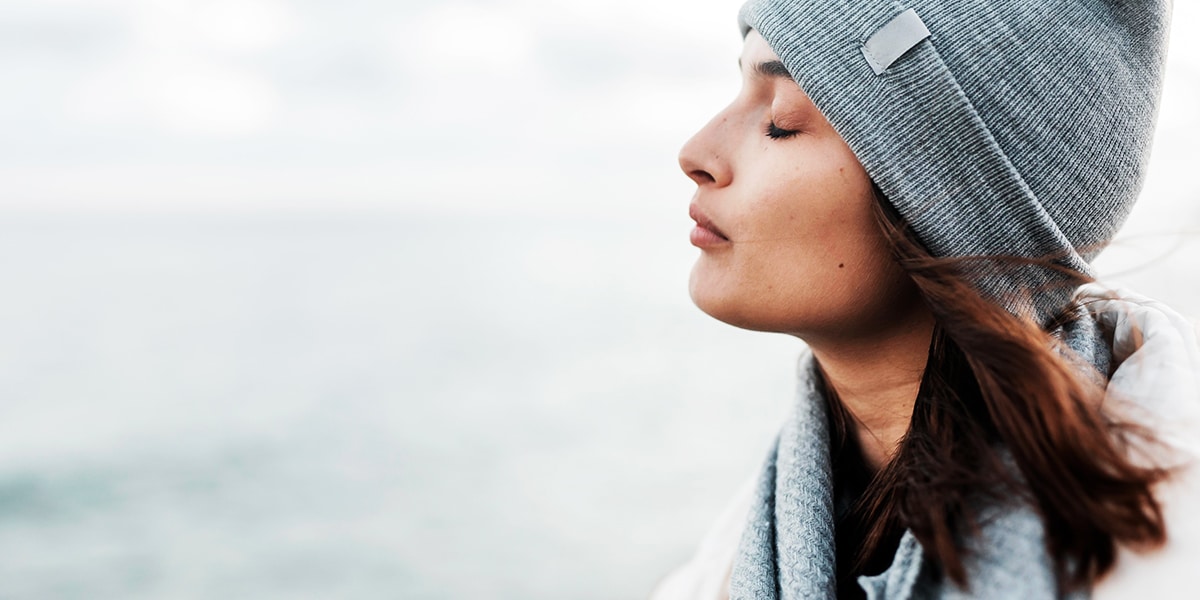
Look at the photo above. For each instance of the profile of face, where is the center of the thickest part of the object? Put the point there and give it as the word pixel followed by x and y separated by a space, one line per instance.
pixel 785 223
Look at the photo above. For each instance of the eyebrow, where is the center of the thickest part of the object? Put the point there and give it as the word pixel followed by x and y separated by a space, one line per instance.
pixel 770 69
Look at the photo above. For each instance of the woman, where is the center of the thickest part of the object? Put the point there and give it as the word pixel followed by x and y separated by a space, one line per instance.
pixel 916 192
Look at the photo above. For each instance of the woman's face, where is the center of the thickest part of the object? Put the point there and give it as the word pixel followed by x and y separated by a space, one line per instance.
pixel 796 248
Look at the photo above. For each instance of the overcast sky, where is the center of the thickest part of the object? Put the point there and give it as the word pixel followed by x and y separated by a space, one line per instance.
pixel 574 107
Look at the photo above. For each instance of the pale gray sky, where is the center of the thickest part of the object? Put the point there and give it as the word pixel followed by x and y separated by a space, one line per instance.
pixel 572 107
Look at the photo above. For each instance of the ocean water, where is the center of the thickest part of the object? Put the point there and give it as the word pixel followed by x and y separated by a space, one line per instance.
pixel 363 407
pixel 375 406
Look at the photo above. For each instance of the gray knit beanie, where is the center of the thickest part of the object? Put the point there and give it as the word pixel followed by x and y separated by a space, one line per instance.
pixel 995 127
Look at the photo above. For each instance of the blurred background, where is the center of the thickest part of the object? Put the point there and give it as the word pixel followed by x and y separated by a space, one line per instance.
pixel 368 299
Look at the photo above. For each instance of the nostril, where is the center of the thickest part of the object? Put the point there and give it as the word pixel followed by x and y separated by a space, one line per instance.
pixel 700 176
pixel 702 163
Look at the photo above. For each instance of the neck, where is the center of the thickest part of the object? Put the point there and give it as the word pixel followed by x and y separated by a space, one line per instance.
pixel 877 379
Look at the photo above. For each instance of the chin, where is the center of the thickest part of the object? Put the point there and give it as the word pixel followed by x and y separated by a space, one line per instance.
pixel 722 303
pixel 708 297
pixel 738 316
pixel 801 314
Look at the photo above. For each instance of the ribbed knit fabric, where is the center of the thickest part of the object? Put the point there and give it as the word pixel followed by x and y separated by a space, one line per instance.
pixel 1018 128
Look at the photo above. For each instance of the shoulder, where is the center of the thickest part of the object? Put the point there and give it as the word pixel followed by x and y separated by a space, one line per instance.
pixel 1156 381
pixel 1155 362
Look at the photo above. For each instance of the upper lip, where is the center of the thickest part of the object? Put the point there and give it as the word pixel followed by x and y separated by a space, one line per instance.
pixel 702 220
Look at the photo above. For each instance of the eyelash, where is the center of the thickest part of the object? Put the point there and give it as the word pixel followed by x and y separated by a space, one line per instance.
pixel 775 133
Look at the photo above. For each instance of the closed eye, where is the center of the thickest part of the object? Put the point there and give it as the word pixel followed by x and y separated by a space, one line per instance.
pixel 776 133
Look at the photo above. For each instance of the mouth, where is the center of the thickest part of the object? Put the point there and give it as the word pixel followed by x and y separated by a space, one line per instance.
pixel 705 234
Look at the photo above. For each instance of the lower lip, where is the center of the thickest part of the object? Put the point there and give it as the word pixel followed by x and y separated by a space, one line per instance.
pixel 704 238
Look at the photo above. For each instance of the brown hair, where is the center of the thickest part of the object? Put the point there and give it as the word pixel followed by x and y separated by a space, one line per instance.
pixel 997 393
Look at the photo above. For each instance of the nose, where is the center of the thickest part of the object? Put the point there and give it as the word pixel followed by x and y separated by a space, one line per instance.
pixel 702 158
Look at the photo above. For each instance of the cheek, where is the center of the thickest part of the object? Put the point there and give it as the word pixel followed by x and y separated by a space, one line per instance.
pixel 802 292
pixel 821 215
pixel 810 257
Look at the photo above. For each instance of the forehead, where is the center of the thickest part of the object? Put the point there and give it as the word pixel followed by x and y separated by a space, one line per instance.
pixel 755 50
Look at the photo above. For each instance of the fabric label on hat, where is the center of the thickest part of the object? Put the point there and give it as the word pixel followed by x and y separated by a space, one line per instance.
pixel 900 34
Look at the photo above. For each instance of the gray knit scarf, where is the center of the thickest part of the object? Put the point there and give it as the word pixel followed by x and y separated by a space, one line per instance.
pixel 787 548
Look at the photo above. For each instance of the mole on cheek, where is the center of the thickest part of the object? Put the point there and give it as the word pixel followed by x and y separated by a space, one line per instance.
pixel 841 265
